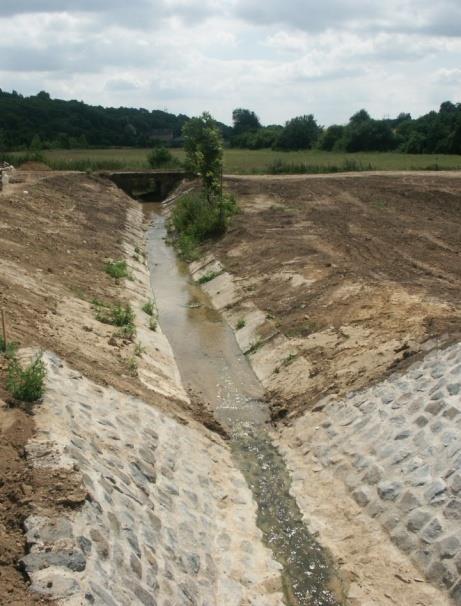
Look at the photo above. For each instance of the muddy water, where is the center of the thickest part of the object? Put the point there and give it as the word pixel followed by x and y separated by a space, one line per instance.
pixel 213 368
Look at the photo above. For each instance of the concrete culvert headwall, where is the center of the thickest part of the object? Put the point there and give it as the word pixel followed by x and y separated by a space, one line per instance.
pixel 148 186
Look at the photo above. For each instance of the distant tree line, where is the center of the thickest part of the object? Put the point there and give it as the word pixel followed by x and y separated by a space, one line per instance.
pixel 39 122
pixel 435 132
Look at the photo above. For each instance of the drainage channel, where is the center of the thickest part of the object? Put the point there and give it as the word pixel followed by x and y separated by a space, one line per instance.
pixel 215 371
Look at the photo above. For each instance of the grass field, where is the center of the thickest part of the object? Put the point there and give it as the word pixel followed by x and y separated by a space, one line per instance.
pixel 259 161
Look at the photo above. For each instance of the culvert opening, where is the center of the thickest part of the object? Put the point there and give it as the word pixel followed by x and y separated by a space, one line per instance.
pixel 213 369
pixel 147 185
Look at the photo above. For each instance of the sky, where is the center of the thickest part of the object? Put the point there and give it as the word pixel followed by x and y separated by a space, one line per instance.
pixel 279 58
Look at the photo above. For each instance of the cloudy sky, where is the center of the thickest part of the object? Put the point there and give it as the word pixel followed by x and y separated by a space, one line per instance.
pixel 280 58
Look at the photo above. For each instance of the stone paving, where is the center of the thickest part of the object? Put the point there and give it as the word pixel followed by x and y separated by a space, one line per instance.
pixel 397 447
pixel 168 520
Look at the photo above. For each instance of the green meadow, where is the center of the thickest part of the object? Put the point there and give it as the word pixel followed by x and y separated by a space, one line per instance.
pixel 243 161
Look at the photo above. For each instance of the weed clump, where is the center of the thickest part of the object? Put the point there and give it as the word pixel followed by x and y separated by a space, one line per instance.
pixel 240 324
pixel 208 277
pixel 255 345
pixel 153 324
pixel 126 332
pixel 118 314
pixel 26 384
pixel 117 269
pixel 148 308
pixel 132 366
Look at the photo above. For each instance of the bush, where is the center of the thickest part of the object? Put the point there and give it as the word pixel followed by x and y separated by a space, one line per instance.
pixel 117 269
pixel 160 157
pixel 26 384
pixel 196 219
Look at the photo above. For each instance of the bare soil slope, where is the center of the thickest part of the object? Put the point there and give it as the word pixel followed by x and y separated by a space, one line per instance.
pixel 357 271
pixel 56 233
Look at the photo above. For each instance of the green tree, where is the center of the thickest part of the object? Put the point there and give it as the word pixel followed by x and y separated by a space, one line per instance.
pixel 244 121
pixel 359 117
pixel 204 148
pixel 369 135
pixel 331 137
pixel 36 143
pixel 299 133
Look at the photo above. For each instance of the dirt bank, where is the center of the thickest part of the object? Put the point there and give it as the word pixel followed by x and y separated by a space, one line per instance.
pixel 358 272
pixel 56 234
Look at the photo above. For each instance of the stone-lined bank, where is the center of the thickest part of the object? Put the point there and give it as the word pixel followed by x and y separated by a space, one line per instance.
pixel 168 519
pixel 397 448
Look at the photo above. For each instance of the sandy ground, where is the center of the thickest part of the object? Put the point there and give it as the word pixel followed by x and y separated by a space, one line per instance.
pixel 360 272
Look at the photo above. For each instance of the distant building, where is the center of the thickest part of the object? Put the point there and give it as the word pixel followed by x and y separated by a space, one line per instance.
pixel 161 134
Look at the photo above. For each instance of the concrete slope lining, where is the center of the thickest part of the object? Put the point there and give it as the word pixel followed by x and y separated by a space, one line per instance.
pixel 397 448
pixel 168 519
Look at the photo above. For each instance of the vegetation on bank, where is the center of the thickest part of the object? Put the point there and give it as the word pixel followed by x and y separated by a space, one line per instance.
pixel 117 269
pixel 196 219
pixel 204 214
pixel 116 314
pixel 26 384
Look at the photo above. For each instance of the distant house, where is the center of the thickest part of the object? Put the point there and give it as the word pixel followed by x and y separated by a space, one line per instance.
pixel 161 134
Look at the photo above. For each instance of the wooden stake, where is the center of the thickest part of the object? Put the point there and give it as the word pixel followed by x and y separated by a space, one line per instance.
pixel 4 329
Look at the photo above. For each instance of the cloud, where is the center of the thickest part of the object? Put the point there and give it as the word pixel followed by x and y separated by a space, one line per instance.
pixel 121 85
pixel 280 58
pixel 308 15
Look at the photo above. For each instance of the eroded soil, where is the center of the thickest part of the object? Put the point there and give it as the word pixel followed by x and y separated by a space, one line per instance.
pixel 360 273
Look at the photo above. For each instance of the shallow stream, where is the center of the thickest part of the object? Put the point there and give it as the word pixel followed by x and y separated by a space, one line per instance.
pixel 215 371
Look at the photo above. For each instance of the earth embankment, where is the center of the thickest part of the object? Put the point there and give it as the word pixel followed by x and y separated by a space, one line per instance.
pixel 352 276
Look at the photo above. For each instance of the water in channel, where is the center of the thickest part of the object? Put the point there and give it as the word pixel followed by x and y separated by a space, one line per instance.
pixel 214 369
